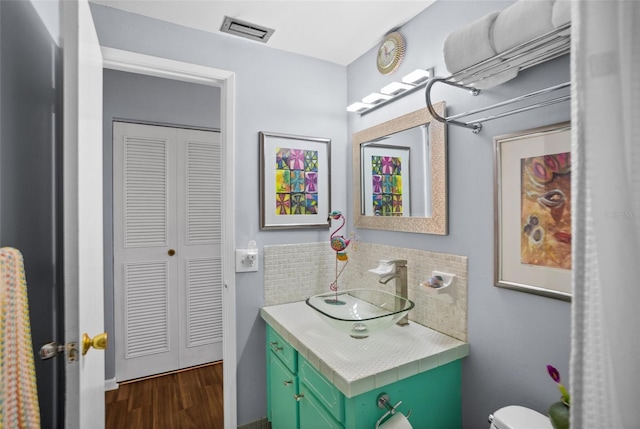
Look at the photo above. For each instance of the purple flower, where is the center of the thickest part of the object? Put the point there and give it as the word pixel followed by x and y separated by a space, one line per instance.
pixel 555 375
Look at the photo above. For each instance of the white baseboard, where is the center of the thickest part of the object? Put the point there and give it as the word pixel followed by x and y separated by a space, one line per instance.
pixel 110 384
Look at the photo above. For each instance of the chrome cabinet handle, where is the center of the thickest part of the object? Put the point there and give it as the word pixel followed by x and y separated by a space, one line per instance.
pixel 287 382
pixel 298 397
pixel 274 344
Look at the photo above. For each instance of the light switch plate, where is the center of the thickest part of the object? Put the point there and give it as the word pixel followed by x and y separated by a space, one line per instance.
pixel 245 262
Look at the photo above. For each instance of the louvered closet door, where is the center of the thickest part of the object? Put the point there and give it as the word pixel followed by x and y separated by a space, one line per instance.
pixel 167 308
pixel 200 239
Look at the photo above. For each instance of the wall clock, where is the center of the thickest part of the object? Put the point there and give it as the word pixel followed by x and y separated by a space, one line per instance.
pixel 390 53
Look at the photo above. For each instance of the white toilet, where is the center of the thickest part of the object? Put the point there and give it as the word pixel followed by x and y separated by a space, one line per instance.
pixel 517 417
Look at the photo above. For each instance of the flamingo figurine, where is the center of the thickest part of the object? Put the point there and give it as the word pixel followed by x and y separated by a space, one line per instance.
pixel 339 244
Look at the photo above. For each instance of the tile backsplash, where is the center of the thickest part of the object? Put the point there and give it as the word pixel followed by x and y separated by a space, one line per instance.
pixel 293 272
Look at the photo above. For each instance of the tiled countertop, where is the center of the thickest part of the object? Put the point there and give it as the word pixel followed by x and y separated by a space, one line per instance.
pixel 356 366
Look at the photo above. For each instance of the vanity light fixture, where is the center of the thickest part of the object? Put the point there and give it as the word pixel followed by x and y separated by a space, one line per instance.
pixel 359 107
pixel 395 88
pixel 375 98
pixel 413 81
pixel 417 76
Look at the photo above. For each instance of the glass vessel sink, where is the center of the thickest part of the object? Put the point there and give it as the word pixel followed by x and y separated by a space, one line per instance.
pixel 360 312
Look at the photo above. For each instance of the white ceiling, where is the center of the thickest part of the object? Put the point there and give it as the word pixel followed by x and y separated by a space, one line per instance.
pixel 335 31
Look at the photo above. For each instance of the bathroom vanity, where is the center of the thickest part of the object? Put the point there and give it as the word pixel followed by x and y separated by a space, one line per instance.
pixel 321 378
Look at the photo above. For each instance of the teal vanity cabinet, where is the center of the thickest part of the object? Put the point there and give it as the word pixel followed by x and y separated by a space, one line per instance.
pixel 301 397
pixel 282 382
pixel 284 409
pixel 321 404
pixel 298 395
pixel 434 398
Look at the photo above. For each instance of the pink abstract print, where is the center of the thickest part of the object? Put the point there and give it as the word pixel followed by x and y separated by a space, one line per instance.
pixel 296 182
pixel 386 177
pixel 546 210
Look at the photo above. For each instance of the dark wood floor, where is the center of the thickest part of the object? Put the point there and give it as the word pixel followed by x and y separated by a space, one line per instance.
pixel 190 399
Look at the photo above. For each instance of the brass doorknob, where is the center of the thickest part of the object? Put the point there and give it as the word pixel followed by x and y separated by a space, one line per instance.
pixel 99 342
pixel 171 252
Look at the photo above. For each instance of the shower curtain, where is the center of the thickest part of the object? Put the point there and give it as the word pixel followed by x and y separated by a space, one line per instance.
pixel 605 373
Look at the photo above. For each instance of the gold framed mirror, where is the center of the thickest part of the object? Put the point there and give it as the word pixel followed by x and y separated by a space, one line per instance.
pixel 400 174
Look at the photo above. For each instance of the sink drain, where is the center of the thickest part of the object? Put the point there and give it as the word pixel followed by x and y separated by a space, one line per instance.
pixel 359 330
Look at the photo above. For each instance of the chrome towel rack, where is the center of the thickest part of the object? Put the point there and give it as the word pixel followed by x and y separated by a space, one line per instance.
pixel 536 51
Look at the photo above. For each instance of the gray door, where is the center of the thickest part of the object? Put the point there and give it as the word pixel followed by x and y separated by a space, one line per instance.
pixel 30 197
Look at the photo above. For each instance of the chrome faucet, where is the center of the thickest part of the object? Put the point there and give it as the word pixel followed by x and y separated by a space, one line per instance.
pixel 400 274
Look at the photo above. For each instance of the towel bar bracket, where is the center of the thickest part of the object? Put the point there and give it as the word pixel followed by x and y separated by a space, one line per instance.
pixel 475 127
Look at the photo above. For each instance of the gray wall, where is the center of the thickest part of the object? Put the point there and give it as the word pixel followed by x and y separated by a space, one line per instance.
pixel 144 99
pixel 513 335
pixel 277 92
pixel 30 212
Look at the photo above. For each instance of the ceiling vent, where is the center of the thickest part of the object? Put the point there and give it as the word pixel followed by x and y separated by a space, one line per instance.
pixel 246 29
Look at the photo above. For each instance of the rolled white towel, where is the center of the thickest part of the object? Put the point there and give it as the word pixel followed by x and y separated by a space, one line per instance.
pixel 470 44
pixel 561 13
pixel 521 22
pixel 526 58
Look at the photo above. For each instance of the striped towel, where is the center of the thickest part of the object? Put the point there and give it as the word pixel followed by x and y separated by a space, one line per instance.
pixel 18 392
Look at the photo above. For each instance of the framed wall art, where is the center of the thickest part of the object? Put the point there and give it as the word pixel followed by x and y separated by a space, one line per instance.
pixel 295 181
pixel 385 180
pixel 532 172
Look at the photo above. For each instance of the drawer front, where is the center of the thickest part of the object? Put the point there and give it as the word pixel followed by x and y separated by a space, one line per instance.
pixel 282 349
pixel 313 415
pixel 324 390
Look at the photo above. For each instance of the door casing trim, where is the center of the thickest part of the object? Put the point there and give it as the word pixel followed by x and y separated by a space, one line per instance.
pixel 133 62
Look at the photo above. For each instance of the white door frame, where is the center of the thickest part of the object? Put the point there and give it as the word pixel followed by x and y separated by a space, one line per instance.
pixel 132 62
